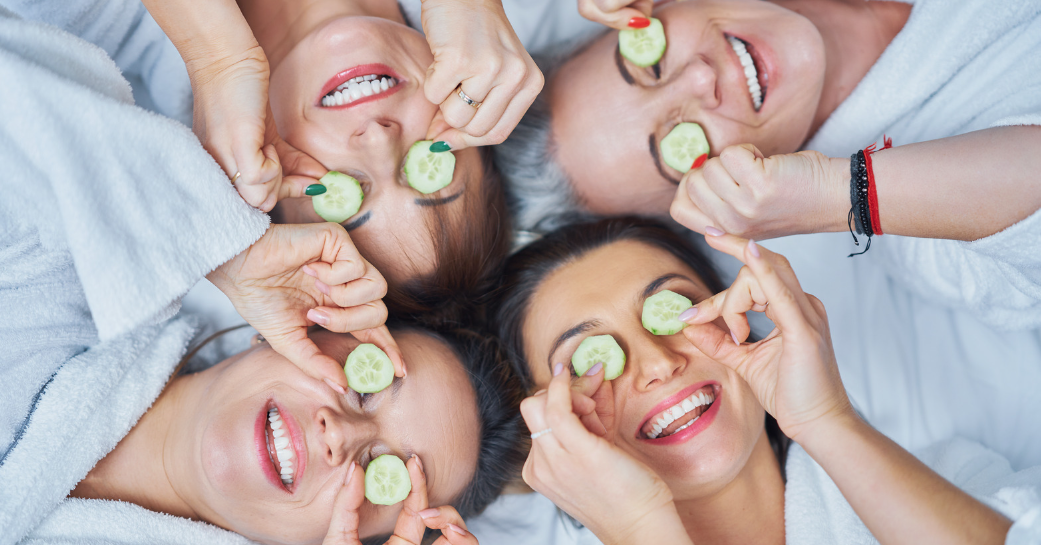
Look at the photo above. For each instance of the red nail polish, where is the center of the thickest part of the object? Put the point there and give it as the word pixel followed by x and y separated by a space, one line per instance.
pixel 639 22
pixel 699 161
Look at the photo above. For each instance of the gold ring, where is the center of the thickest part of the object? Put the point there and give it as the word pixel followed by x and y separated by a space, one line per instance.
pixel 235 177
pixel 468 100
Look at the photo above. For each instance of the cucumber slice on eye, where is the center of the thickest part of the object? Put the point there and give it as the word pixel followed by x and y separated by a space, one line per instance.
pixel 427 171
pixel 341 200
pixel 643 46
pixel 368 369
pixel 387 481
pixel 685 147
pixel 599 349
pixel 660 311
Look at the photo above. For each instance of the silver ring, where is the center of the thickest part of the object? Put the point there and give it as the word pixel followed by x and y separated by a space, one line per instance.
pixel 540 433
pixel 468 100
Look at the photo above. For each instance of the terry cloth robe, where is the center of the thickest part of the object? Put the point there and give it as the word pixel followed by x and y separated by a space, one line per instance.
pixel 815 512
pixel 109 215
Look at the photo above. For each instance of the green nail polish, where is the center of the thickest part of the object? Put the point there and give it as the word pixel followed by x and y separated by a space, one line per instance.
pixel 314 189
pixel 438 147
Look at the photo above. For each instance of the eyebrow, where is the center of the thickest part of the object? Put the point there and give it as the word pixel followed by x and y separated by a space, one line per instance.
pixel 577 330
pixel 621 67
pixel 354 224
pixel 657 283
pixel 657 161
pixel 438 201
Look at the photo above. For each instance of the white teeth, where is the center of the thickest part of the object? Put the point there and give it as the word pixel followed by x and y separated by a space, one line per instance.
pixel 278 433
pixel 366 88
pixel 384 84
pixel 677 411
pixel 751 76
pixel 688 405
pixel 276 424
pixel 281 443
pixel 354 90
pixel 284 453
pixel 361 86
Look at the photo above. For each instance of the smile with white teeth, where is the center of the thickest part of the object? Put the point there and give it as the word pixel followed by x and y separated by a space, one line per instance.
pixel 278 443
pixel 751 75
pixel 665 424
pixel 359 87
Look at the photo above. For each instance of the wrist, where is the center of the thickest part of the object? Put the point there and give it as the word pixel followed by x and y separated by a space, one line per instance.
pixel 826 428
pixel 660 525
pixel 836 194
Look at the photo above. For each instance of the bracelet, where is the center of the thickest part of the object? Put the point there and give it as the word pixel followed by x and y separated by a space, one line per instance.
pixel 863 212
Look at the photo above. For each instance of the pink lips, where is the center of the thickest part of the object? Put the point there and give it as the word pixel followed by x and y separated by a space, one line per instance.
pixel 704 421
pixel 296 441
pixel 352 73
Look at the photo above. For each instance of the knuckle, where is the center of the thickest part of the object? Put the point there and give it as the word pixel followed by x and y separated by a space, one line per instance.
pixel 497 135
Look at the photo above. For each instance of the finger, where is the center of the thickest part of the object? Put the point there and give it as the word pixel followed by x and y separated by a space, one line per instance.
pixel 514 112
pixel 722 182
pixel 299 349
pixel 789 305
pixel 410 525
pixel 533 411
pixel 349 265
pixel 567 429
pixel 343 528
pixel 715 343
pixel 615 13
pixel 259 172
pixel 491 110
pixel 347 320
pixel 452 526
pixel 605 410
pixel 295 187
pixel 708 202
pixel 732 245
pixel 588 383
pixel 381 337
pixel 457 111
pixel 743 161
pixel 356 292
pixel 685 212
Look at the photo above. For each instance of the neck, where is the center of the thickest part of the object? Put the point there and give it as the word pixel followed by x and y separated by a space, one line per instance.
pixel 280 24
pixel 855 34
pixel 750 509
pixel 136 470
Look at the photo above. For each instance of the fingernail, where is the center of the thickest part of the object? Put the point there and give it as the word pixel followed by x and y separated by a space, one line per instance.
pixel 558 369
pixel 439 146
pixel 594 369
pixel 639 22
pixel 335 386
pixel 699 161
pixel 419 463
pixel 315 189
pixel 322 286
pixel 427 513
pixel 350 474
pixel 318 317
pixel 734 336
pixel 538 392
pixel 404 370
pixel 712 231
pixel 753 248
pixel 688 314
pixel 457 529
pixel 309 271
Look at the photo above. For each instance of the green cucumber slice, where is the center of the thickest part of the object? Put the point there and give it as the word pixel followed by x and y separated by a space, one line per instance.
pixel 685 147
pixel 660 311
pixel 368 369
pixel 387 481
pixel 643 46
pixel 599 349
pixel 341 200
pixel 427 171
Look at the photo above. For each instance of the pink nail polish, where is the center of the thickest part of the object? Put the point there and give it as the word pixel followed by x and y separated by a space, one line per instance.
pixel 558 369
pixel 713 232
pixel 457 529
pixel 308 271
pixel 594 369
pixel 427 513
pixel 688 314
pixel 350 474
pixel 318 317
pixel 339 389
pixel 419 463
pixel 753 248
pixel 322 286
pixel 734 336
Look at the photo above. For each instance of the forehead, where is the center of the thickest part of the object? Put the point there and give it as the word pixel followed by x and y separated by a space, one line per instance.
pixel 607 279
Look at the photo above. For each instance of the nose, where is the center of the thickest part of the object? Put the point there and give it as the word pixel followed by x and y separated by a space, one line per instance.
pixel 698 80
pixel 338 435
pixel 655 361
pixel 380 137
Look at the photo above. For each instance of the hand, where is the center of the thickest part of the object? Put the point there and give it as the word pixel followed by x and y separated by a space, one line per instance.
pixel 475 47
pixel 594 481
pixel 299 275
pixel 615 13
pixel 414 519
pixel 744 193
pixel 792 371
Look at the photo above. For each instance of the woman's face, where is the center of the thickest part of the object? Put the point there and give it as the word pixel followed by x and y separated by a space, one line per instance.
pixel 217 455
pixel 610 115
pixel 368 138
pixel 603 293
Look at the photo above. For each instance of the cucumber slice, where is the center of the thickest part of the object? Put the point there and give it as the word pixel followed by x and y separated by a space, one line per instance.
pixel 685 147
pixel 368 369
pixel 427 171
pixel 599 349
pixel 660 311
pixel 341 200
pixel 643 46
pixel 387 481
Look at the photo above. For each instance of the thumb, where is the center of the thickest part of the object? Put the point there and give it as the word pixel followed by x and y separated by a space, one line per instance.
pixel 743 161
pixel 343 528
pixel 299 349
pixel 381 337
pixel 715 343
pixel 620 19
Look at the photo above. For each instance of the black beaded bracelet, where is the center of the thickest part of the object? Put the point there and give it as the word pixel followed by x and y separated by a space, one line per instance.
pixel 860 211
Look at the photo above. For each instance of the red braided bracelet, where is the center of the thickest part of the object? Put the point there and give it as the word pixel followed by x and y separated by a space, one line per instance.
pixel 876 222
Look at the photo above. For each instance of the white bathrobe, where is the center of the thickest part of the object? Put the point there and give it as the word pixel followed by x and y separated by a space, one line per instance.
pixel 109 215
